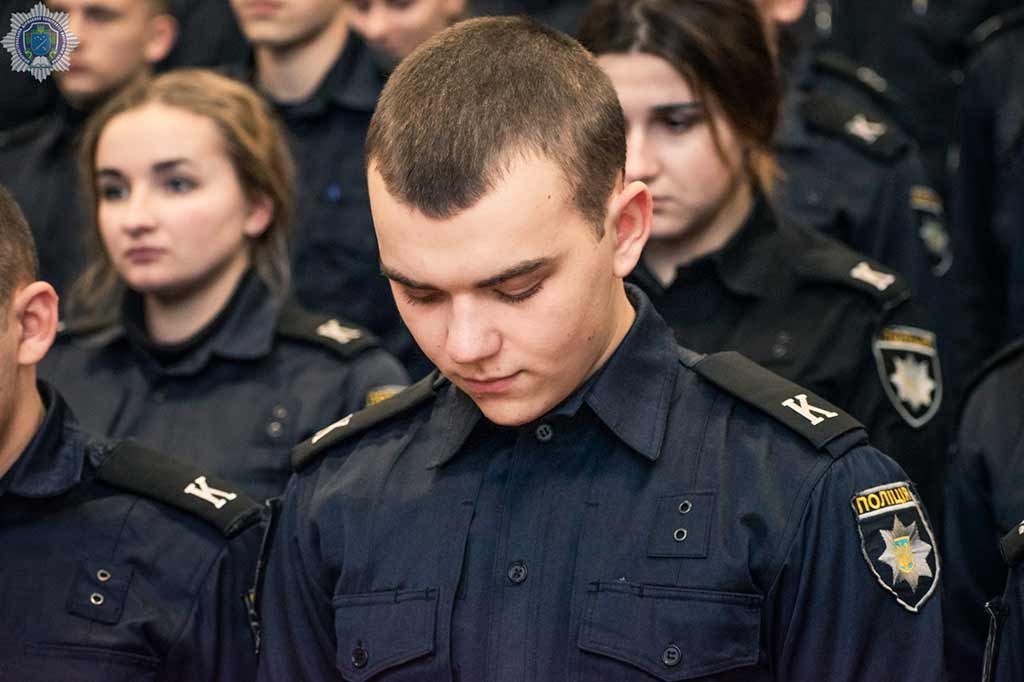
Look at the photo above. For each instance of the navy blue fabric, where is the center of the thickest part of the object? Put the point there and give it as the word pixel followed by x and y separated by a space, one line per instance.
pixel 562 550
pixel 99 585
pixel 236 403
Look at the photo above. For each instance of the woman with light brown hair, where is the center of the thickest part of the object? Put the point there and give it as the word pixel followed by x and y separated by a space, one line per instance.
pixel 181 333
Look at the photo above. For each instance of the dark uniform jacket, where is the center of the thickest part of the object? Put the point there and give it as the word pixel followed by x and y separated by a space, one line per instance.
pixel 850 171
pixel 112 570
pixel 825 317
pixel 985 500
pixel 336 266
pixel 258 380
pixel 38 166
pixel 1004 653
pixel 655 525
pixel 988 198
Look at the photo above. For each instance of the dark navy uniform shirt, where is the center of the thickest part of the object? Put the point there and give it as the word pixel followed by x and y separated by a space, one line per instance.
pixel 985 499
pixel 988 198
pixel 261 378
pixel 653 526
pixel 39 167
pixel 99 584
pixel 850 171
pixel 825 317
pixel 336 266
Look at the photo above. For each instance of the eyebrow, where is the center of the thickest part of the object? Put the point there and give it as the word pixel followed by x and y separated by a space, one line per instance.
pixel 517 270
pixel 159 167
pixel 675 107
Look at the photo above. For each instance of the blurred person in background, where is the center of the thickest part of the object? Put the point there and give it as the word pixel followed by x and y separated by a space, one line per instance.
pixel 119 563
pixel 701 92
pixel 323 81
pixel 119 40
pixel 394 28
pixel 181 335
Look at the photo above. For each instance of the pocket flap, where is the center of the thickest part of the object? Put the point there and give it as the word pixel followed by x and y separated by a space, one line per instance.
pixel 378 630
pixel 672 633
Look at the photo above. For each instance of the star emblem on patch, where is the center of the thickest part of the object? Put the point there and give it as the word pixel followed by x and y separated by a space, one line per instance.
pixel 897 542
pixel 906 553
pixel 908 366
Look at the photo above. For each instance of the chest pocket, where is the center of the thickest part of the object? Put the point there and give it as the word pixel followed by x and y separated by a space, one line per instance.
pixel 385 631
pixel 633 632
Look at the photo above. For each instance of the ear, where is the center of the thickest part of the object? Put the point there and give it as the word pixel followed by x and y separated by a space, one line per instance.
pixel 35 311
pixel 629 221
pixel 785 11
pixel 162 34
pixel 261 213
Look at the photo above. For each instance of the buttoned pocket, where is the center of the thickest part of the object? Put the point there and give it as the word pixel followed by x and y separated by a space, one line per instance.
pixel 378 631
pixel 632 632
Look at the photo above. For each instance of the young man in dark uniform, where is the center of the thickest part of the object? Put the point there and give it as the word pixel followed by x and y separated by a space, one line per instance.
pixel 119 564
pixel 324 83
pixel 119 40
pixel 572 496
pixel 985 498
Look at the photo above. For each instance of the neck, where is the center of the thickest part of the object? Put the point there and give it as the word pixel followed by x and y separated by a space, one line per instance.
pixel 664 256
pixel 23 423
pixel 624 314
pixel 172 320
pixel 291 74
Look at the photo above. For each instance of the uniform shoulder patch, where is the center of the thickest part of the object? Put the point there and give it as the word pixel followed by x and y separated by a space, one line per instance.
pixel 908 366
pixel 813 417
pixel 835 116
pixel 358 422
pixel 994 27
pixel 340 337
pixel 897 542
pixel 827 260
pixel 1011 545
pixel 154 475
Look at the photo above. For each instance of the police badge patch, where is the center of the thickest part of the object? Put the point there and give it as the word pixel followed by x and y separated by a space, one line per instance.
pixel 931 228
pixel 908 365
pixel 40 41
pixel 897 542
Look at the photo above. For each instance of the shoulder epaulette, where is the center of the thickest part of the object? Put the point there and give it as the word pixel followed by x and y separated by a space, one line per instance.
pixel 828 260
pixel 836 116
pixel 814 418
pixel 358 422
pixel 343 338
pixel 1012 545
pixel 1004 356
pixel 995 26
pixel 151 474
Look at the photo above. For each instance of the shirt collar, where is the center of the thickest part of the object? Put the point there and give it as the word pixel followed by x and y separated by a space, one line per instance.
pixel 747 264
pixel 246 332
pixel 52 462
pixel 353 82
pixel 643 367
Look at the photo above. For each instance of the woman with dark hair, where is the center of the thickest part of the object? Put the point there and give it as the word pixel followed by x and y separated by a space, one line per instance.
pixel 699 84
pixel 181 335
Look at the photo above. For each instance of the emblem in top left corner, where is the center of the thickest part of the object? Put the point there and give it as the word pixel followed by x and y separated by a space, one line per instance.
pixel 40 41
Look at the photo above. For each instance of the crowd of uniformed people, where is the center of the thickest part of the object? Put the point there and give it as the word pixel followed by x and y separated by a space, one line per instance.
pixel 417 340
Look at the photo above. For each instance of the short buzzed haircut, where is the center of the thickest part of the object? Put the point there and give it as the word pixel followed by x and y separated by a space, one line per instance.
pixel 19 263
pixel 471 100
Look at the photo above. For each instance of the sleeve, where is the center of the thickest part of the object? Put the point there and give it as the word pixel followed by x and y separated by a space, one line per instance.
pixel 902 399
pixel 297 616
pixel 376 376
pixel 216 642
pixel 857 597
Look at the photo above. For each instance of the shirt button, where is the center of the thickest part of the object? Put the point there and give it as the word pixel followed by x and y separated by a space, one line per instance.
pixel 274 429
pixel 280 412
pixel 517 572
pixel 360 656
pixel 545 433
pixel 671 655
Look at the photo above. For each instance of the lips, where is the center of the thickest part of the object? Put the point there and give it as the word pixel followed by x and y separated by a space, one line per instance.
pixel 143 254
pixel 488 385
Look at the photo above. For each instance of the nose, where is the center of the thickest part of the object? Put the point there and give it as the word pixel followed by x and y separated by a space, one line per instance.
pixel 472 338
pixel 76 25
pixel 641 159
pixel 138 217
pixel 376 24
